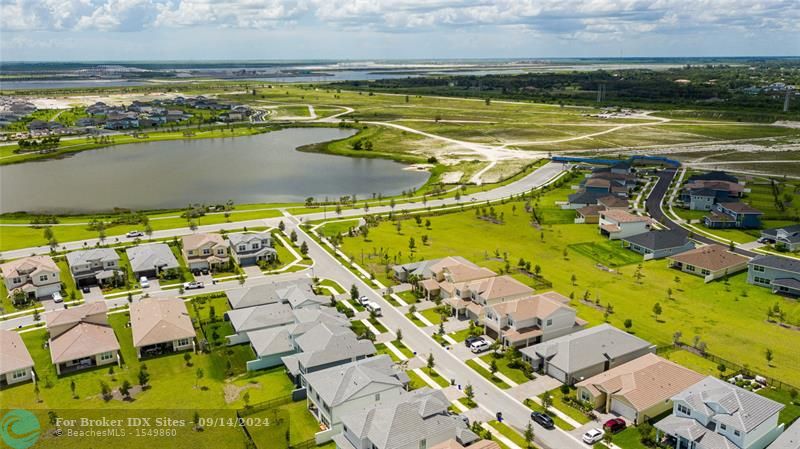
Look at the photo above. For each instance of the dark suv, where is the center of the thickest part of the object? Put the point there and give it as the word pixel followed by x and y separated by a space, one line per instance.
pixel 471 340
pixel 543 420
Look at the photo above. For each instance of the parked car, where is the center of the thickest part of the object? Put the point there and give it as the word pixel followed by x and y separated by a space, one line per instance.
pixel 144 282
pixel 193 285
pixel 363 300
pixel 614 425
pixel 373 306
pixel 134 234
pixel 470 340
pixel 593 436
pixel 543 420
pixel 57 297
pixel 86 289
pixel 205 271
pixel 479 346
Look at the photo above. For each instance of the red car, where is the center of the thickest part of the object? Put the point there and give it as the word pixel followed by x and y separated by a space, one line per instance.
pixel 614 425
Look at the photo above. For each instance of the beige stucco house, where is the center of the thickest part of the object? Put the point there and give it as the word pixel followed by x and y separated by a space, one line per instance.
pixel 80 337
pixel 206 251
pixel 16 364
pixel 36 276
pixel 161 326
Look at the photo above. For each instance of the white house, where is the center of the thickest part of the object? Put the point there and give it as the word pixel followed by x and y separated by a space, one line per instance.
pixel 618 224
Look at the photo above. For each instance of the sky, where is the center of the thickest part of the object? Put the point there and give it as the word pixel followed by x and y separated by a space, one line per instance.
pixel 70 30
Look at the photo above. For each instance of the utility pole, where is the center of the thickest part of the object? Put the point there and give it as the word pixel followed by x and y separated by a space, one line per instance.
pixel 786 101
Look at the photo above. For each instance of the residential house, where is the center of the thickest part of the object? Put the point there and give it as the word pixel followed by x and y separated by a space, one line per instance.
pixel 250 248
pixel 453 444
pixel 94 266
pixel 206 252
pixel 531 320
pixel 161 325
pixel 589 214
pixel 583 354
pixel 618 224
pixel 714 176
pixel 709 261
pixel 781 274
pixel 98 108
pixel 352 387
pixel 152 259
pixel 425 269
pixel 472 296
pixel 416 420
pixel 658 244
pixel 715 414
pixel 703 194
pixel 733 215
pixel 80 337
pixel 637 390
pixel 35 277
pixel 271 293
pixel 613 202
pixel 789 439
pixel 583 198
pixel 16 364
pixel 274 315
pixel 787 237
pixel 700 199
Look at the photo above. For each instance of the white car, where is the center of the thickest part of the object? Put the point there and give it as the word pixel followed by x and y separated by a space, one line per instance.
pixel 134 234
pixel 373 306
pixel 57 297
pixel 144 282
pixel 479 346
pixel 193 285
pixel 363 300
pixel 593 436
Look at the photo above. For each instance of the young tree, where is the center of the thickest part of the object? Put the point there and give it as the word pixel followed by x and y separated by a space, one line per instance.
pixel 399 334
pixel 353 292
pixel 281 226
pixel 628 324
pixel 547 400
pixel 528 435
pixel 293 235
pixel 125 388
pixel 144 376
pixel 469 392
pixel 493 367
pixel 246 399
pixel 769 356
pixel 721 368
pixel 657 310
pixel 431 362
pixel 36 391
pixel 304 248
pixel 198 375
pixel 187 357
pixel 412 244
pixel 105 390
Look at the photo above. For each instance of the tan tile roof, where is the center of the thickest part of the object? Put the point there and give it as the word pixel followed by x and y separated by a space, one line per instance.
pixel 430 284
pixel 446 262
pixel 593 210
pixel 13 353
pixel 83 340
pixel 75 314
pixel 711 257
pixel 621 216
pixel 464 273
pixel 643 382
pixel 160 320
pixel 612 201
pixel 195 241
pixel 32 263
pixel 498 287
pixel 610 227
pixel 537 306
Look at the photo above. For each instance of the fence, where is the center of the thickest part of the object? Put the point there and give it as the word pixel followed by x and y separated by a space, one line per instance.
pixel 737 369
pixel 261 406
pixel 266 405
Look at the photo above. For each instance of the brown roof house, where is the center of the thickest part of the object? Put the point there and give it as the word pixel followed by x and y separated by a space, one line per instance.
pixel 206 252
pixel 710 261
pixel 472 296
pixel 161 326
pixel 80 337
pixel 33 277
pixel 16 364
pixel 639 389
pixel 531 320
pixel 588 214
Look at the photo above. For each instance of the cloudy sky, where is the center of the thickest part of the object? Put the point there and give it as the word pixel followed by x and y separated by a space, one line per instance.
pixel 393 29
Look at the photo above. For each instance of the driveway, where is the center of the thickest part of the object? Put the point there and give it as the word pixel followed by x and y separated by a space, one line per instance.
pixel 49 305
pixel 95 294
pixel 534 387
pixel 252 271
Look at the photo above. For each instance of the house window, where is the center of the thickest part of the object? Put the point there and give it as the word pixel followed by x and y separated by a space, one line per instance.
pixel 760 280
pixel 15 280
pixel 423 443
pixel 684 409
pixel 206 251
pixel 220 251
pixel 242 247
pixel 255 246
pixel 183 342
pixel 109 264
pixel 704 272
pixel 736 432
pixel 549 322
pixel 106 356
pixel 43 277
pixel 723 426
pixel 19 374
pixel 690 268
pixel 377 397
pixel 758 268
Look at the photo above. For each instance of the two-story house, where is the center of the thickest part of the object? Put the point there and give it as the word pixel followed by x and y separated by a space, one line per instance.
pixel 416 420
pixel 532 320
pixel 33 277
pixel 715 414
pixel 94 266
pixel 472 296
pixel 781 274
pixel 787 237
pixel 206 252
pixel 80 337
pixel 618 224
pixel 733 215
pixel 352 387
pixel 250 248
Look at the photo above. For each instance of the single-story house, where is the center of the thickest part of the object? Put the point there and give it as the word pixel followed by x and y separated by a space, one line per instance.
pixel 531 320
pixel 270 293
pixel 583 354
pixel 250 248
pixel 709 261
pixel 781 274
pixel 251 319
pixel 161 326
pixel 613 202
pixel 733 215
pixel 787 237
pixel 588 214
pixel 151 259
pixel 618 224
pixel 16 364
pixel 658 244
pixel 358 385
pixel 639 389
pixel 94 266
pixel 80 337
pixel 583 199
pixel 36 277
pixel 205 251
pixel 427 269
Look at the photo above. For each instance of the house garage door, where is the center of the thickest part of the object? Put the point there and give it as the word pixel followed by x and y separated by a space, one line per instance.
pixel 622 409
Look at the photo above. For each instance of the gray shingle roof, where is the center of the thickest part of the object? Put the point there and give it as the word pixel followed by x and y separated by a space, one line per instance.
pixel 245 237
pixel 271 341
pixel 656 240
pixel 789 233
pixel 777 262
pixel 260 317
pixel 267 293
pixel 150 256
pixel 692 430
pixel 325 343
pixel 85 256
pixel 586 348
pixel 789 439
pixel 341 383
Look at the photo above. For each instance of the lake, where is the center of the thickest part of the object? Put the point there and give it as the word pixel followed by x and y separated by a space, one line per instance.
pixel 172 174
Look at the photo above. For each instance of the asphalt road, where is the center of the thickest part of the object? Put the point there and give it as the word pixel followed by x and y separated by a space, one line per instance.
pixel 653 206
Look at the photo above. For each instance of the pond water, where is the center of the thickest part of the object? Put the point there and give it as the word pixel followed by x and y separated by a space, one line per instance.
pixel 173 174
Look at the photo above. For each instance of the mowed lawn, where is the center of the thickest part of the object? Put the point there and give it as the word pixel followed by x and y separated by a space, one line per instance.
pixel 730 319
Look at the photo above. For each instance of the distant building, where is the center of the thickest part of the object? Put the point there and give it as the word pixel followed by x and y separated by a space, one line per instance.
pixel 709 261
pixel 658 244
pixel 781 274
pixel 36 277
pixel 787 237
pixel 733 215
